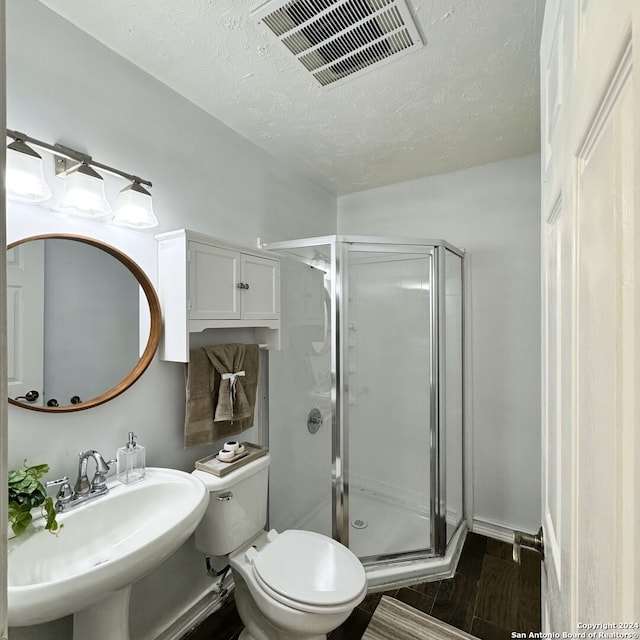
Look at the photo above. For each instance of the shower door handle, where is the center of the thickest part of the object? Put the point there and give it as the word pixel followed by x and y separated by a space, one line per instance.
pixel 534 541
pixel 314 420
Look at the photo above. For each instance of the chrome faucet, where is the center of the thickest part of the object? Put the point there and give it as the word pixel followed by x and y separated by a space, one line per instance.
pixel 83 487
pixel 83 490
pixel 64 495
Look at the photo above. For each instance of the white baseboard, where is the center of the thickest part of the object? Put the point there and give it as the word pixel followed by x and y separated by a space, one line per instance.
pixel 494 530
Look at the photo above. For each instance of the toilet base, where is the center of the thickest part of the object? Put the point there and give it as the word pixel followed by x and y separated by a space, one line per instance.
pixel 245 635
pixel 256 625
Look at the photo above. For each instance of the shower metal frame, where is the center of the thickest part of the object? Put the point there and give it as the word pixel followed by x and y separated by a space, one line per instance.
pixel 435 250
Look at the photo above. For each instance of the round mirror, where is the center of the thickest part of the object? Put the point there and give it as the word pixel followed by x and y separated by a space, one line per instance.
pixel 83 322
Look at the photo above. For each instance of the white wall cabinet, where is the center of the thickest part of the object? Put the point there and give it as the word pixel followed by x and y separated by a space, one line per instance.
pixel 204 283
pixel 225 284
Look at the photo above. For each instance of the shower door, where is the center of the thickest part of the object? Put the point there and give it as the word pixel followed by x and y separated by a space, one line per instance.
pixel 388 401
pixel 302 390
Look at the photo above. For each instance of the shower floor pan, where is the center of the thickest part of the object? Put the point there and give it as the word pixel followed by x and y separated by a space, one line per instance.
pixel 376 527
pixel 391 529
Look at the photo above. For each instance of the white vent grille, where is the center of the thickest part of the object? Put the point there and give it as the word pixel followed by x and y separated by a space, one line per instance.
pixel 337 39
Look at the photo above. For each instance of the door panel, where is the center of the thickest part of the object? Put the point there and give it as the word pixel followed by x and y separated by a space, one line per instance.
pixel 598 282
pixel 25 320
pixel 387 391
pixel 261 300
pixel 591 372
pixel 214 275
pixel 552 480
pixel 596 372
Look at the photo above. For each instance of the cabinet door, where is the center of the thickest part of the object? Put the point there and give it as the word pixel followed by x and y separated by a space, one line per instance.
pixel 214 275
pixel 262 299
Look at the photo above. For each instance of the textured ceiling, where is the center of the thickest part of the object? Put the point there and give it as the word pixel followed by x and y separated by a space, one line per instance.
pixel 469 97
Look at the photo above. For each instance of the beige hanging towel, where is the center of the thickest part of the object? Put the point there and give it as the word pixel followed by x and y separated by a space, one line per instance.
pixel 222 382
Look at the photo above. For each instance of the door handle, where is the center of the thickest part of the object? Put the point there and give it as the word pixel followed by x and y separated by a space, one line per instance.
pixel 534 541
pixel 30 396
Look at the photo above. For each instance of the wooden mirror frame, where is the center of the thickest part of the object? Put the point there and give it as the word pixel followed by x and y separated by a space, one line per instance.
pixel 155 324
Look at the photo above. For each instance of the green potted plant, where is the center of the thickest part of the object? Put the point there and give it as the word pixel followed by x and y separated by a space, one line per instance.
pixel 27 492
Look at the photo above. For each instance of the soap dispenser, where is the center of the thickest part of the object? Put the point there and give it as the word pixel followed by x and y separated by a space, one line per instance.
pixel 131 462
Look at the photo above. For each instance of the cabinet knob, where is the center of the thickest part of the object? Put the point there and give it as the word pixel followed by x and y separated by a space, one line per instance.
pixel 242 285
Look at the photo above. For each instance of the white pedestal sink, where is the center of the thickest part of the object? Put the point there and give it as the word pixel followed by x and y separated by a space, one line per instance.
pixel 105 545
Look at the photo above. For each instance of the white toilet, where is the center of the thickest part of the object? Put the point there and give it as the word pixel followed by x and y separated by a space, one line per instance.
pixel 296 585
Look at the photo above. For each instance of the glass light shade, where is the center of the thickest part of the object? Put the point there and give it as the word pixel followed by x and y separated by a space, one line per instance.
pixel 84 194
pixel 135 208
pixel 25 174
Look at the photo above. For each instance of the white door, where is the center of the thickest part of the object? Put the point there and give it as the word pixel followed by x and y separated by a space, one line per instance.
pixel 591 314
pixel 3 336
pixel 25 321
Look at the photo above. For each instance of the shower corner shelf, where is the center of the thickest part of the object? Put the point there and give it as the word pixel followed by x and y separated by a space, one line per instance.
pixel 207 283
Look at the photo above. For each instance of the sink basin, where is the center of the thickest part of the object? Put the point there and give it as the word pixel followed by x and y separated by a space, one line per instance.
pixel 104 546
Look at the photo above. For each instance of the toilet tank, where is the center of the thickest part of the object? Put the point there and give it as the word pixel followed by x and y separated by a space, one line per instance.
pixel 231 520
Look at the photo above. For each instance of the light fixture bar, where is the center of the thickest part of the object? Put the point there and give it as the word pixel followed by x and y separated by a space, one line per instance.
pixel 76 157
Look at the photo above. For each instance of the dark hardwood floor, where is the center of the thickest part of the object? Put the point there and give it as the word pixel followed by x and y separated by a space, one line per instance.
pixel 490 596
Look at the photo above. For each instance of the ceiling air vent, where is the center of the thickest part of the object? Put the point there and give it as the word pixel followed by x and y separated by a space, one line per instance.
pixel 337 39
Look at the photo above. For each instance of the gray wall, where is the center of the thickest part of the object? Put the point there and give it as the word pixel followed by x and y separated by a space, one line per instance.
pixel 492 211
pixel 63 86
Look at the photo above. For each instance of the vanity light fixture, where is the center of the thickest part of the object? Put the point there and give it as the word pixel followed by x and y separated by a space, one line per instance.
pixel 84 192
pixel 25 174
pixel 135 208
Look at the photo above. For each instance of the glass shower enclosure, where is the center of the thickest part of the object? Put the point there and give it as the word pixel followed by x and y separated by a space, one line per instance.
pixel 366 409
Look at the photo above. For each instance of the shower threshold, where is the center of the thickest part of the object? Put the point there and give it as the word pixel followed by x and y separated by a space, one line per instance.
pixel 390 574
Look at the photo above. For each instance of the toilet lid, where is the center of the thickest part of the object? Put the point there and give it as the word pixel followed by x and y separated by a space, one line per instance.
pixel 310 568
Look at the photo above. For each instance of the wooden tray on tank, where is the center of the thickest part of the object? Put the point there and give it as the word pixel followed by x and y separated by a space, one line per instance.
pixel 211 464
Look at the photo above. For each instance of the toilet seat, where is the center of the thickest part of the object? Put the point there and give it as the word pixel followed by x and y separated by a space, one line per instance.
pixel 308 571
